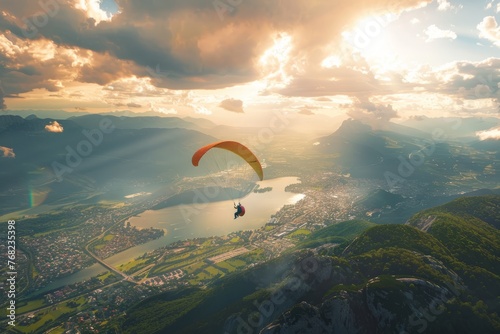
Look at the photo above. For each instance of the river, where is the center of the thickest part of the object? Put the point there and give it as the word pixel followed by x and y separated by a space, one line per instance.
pixel 197 220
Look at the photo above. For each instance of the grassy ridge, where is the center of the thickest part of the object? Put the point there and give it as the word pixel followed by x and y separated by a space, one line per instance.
pixel 399 236
pixel 468 227
pixel 337 233
pixel 485 208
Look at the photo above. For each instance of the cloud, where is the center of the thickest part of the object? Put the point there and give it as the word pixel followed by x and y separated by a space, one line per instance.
pixel 232 105
pixel 201 110
pixel 7 152
pixel 323 99
pixel 166 111
pixel 490 5
pixel 489 29
pixel 54 127
pixel 161 109
pixel 93 10
pixel 305 111
pixel 133 105
pixel 351 79
pixel 444 5
pixel 372 113
pixel 433 32
pixel 469 80
pixel 418 117
pixel 27 65
pixel 489 134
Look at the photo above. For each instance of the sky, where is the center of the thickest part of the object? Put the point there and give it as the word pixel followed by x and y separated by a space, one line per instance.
pixel 237 60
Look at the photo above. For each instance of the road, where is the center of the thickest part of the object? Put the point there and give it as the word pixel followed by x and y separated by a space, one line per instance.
pixel 110 267
pixel 107 265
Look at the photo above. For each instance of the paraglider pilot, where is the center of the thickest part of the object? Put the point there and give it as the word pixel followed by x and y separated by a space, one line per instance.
pixel 238 210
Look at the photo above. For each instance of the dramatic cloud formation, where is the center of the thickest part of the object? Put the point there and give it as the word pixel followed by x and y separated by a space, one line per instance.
pixel 54 127
pixel 210 53
pixel 7 152
pixel 489 134
pixel 470 80
pixel 182 56
pixel 232 105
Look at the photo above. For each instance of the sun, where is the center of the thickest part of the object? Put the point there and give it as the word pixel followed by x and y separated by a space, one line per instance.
pixel 279 52
pixel 372 38
pixel 273 62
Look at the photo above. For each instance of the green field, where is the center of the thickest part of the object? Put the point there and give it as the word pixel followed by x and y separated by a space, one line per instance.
pixel 50 315
pixel 235 262
pixel 213 271
pixel 105 276
pixel 256 255
pixel 31 305
pixel 299 234
pixel 132 266
pixel 194 267
pixel 98 244
pixel 188 257
pixel 225 266
pixel 41 320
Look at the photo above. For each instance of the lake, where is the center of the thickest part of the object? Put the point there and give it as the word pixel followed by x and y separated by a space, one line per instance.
pixel 200 219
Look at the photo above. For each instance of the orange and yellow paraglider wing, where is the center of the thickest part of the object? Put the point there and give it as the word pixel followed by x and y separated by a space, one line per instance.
pixel 201 152
pixel 235 147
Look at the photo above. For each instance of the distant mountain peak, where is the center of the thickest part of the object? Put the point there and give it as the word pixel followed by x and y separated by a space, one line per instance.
pixel 9 120
pixel 350 126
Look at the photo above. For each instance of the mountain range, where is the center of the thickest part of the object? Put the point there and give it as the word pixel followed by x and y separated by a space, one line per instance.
pixel 368 153
pixel 115 167
pixel 83 159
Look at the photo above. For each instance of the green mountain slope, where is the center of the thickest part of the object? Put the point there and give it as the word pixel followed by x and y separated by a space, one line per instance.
pixel 378 199
pixel 399 236
pixel 466 227
pixel 437 274
pixel 112 162
pixel 337 233
pixel 486 208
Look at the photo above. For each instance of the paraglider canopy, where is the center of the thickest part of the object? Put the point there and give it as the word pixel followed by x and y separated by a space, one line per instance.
pixel 236 148
pixel 233 168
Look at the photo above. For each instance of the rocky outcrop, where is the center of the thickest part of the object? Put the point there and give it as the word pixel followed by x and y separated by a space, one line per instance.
pixel 388 305
pixel 424 223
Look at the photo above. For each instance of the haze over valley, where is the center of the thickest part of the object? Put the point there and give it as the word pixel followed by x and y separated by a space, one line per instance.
pixel 236 167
